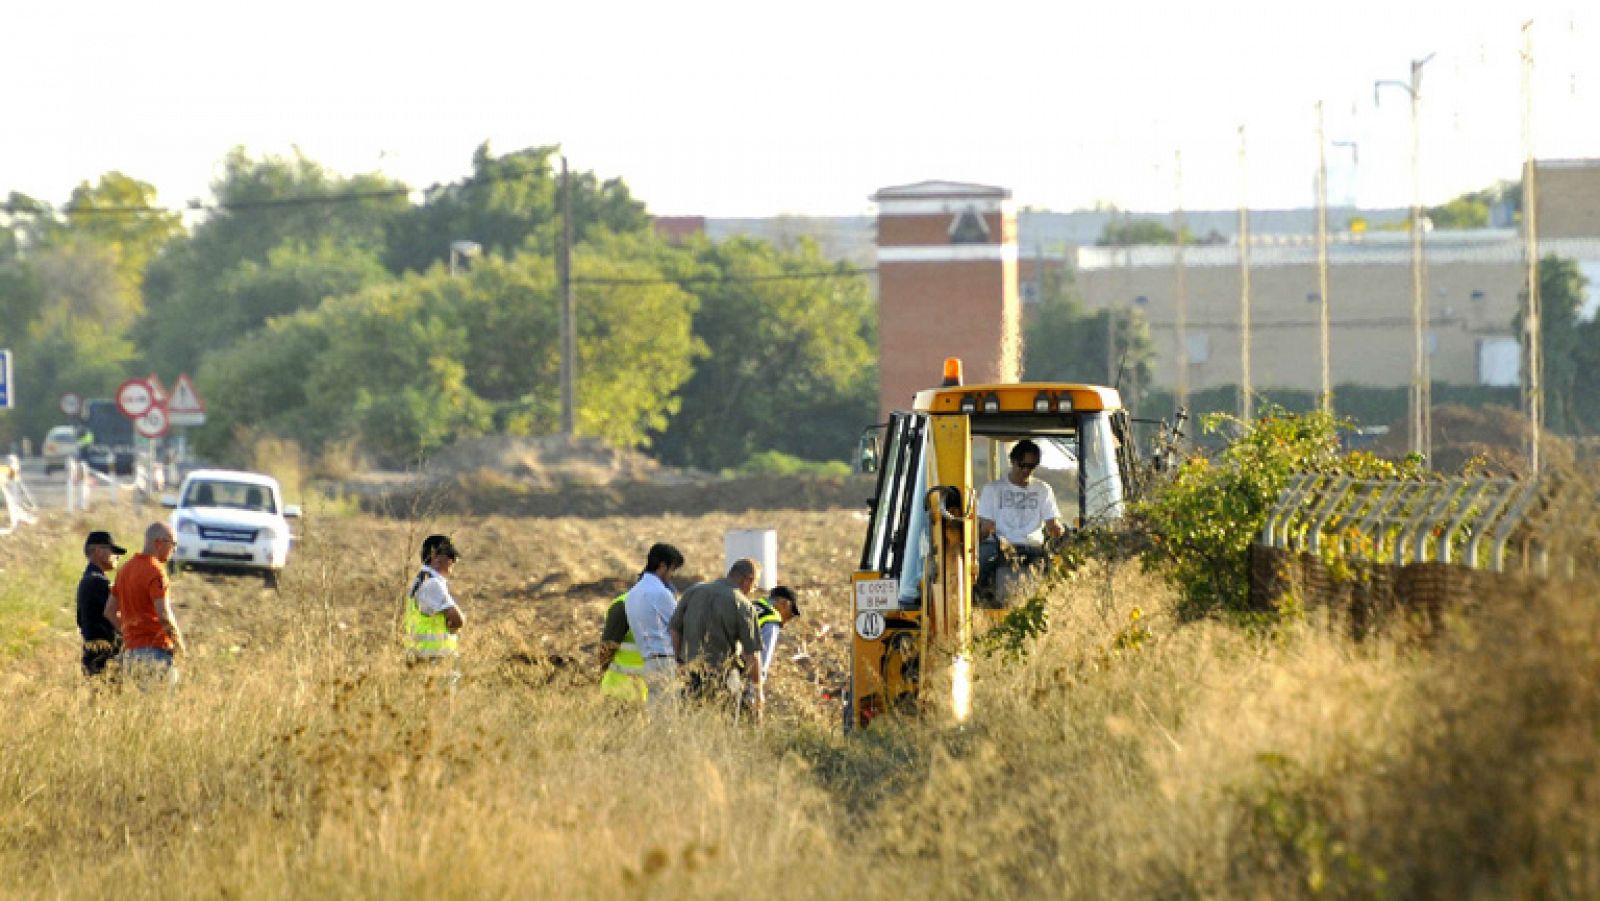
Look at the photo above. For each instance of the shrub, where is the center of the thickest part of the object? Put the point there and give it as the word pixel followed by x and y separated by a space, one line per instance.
pixel 1202 523
pixel 778 463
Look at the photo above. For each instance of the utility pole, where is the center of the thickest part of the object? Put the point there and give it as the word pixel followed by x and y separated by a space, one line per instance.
pixel 1181 288
pixel 1533 308
pixel 1246 401
pixel 569 361
pixel 1322 262
pixel 1421 427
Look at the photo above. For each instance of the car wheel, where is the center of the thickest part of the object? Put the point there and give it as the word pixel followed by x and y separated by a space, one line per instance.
pixel 270 577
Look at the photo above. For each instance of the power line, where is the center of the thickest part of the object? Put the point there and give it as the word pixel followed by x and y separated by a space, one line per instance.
pixel 728 279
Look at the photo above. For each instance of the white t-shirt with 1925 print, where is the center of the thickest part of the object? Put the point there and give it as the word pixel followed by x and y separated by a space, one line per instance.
pixel 1018 512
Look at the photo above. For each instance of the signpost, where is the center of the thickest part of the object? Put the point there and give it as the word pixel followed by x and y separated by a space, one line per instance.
pixel 71 405
pixel 6 399
pixel 185 406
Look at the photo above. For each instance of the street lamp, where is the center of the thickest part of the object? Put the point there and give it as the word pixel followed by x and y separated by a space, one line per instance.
pixel 463 250
pixel 1421 386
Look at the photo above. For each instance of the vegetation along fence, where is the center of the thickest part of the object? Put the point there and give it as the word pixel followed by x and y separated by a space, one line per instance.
pixel 1367 546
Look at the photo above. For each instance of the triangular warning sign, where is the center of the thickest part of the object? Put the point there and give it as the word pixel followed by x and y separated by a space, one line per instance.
pixel 184 398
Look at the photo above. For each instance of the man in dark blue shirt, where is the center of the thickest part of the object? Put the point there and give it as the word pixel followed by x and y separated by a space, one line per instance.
pixel 100 639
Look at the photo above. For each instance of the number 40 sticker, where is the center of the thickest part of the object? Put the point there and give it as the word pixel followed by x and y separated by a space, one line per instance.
pixel 870 624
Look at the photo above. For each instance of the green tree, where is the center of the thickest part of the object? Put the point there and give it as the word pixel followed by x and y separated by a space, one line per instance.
pixel 1471 210
pixel 265 205
pixel 1571 380
pixel 121 213
pixel 508 202
pixel 405 366
pixel 1126 232
pixel 1066 342
pixel 791 364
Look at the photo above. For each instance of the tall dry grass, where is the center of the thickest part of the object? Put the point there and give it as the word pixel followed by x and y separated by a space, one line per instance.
pixel 1126 756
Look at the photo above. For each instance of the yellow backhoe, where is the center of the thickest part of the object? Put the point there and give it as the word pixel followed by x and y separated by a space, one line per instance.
pixel 918 606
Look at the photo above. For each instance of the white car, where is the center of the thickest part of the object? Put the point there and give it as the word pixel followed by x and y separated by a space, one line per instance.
pixel 232 521
pixel 60 445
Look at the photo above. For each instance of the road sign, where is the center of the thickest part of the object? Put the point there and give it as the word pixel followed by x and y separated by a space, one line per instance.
pixel 870 625
pixel 153 424
pixel 5 380
pixel 157 390
pixel 134 398
pixel 71 405
pixel 185 406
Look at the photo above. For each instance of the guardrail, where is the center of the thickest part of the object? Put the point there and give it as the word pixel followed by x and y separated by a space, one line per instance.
pixel 1470 522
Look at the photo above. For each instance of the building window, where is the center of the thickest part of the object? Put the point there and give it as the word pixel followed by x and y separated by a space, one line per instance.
pixel 1499 362
pixel 1199 348
pixel 1030 291
pixel 968 227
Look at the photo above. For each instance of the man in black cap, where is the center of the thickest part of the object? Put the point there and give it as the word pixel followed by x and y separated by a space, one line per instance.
pixel 100 639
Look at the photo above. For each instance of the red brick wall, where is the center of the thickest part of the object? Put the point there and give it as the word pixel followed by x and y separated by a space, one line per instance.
pixel 932 310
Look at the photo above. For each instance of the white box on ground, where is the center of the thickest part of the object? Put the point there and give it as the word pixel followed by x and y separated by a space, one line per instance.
pixel 760 545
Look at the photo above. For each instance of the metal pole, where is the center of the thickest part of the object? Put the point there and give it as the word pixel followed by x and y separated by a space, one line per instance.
pixel 569 363
pixel 1322 263
pixel 1533 311
pixel 1246 402
pixel 1181 288
pixel 1421 370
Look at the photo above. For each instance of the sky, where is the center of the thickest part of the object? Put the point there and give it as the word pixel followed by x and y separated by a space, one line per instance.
pixel 762 109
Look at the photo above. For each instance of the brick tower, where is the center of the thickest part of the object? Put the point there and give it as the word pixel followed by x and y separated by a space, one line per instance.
pixel 947 287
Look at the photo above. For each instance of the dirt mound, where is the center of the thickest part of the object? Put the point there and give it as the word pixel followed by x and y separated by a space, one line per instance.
pixel 1491 436
pixel 487 492
pixel 548 462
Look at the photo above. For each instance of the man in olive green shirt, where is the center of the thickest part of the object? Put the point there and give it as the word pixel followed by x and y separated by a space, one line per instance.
pixel 715 624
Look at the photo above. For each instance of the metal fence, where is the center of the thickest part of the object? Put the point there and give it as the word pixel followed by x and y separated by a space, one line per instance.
pixel 1479 523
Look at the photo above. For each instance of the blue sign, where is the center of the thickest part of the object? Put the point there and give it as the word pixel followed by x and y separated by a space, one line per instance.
pixel 5 380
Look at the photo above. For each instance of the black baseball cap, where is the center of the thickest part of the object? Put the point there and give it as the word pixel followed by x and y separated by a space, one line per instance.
pixel 105 539
pixel 785 593
pixel 439 544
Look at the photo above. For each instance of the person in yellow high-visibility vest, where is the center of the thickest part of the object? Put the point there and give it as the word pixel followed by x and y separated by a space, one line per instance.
pixel 620 660
pixel 433 620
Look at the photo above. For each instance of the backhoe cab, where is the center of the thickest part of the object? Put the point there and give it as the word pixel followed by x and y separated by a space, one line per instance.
pixel 917 604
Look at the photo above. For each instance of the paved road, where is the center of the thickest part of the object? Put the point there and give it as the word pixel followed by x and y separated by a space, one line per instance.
pixel 49 492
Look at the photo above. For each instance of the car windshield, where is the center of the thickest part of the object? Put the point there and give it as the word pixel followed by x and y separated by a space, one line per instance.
pixel 237 495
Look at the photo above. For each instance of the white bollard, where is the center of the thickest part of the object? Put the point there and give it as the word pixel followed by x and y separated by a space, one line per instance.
pixel 760 545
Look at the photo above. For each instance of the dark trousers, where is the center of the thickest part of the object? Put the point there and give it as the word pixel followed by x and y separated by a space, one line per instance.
pixel 97 655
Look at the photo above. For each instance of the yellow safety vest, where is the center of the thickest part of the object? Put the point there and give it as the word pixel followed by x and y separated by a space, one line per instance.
pixel 427 637
pixel 766 614
pixel 624 678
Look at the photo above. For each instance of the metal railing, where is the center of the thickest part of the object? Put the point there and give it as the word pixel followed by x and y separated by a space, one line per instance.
pixel 1470 522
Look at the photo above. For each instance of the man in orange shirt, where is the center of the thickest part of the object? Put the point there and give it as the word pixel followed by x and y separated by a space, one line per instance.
pixel 141 611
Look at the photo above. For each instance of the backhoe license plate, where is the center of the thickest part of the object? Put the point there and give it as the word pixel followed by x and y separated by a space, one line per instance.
pixel 877 595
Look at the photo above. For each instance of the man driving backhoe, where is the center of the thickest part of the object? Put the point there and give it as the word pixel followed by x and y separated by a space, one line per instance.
pixel 1014 516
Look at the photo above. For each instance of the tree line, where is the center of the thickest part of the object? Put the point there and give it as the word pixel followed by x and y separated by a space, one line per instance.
pixel 322 308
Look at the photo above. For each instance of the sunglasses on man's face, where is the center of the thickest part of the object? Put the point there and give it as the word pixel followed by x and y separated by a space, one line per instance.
pixel 1033 465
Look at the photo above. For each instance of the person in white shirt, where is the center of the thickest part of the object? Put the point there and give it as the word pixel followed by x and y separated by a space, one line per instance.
pixel 1015 512
pixel 650 604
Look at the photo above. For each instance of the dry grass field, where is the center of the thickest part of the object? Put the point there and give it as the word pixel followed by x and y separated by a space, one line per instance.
pixel 1127 755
